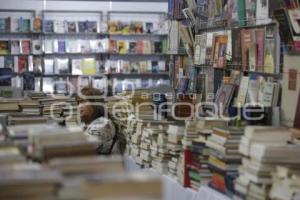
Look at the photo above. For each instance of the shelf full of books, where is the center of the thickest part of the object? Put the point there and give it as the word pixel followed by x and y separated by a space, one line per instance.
pixel 65 45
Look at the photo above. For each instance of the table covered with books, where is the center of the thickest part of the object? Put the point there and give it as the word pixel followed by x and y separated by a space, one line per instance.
pixel 173 190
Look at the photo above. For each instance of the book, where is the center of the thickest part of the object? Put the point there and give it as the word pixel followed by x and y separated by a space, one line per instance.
pixel 37 24
pixel 48 85
pixel 28 81
pixel 262 12
pixel 6 77
pixel 73 46
pixel 49 66
pixel 268 94
pixel 246 41
pixel 149 27
pixel 48 46
pixel 113 46
pixel 22 64
pixel 61 46
pixel 88 66
pixel 61 66
pixel 76 67
pixel 260 40
pixel 132 47
pixel 4 47
pixel 25 46
pixel 37 64
pixel 200 49
pixel 72 27
pixel 48 26
pixel 250 9
pixel 241 13
pixel 270 60
pixel 36 47
pixel 9 62
pixel 243 88
pixel 158 47
pixel 252 57
pixel 224 97
pixel 219 51
pixel 15 47
pixel 58 26
pixel 147 47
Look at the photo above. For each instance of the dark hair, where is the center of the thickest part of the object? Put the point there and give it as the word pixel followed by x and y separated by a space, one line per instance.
pixel 93 95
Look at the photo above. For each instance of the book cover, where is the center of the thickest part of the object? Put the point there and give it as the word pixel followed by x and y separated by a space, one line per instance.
pixel 73 46
pixel 122 46
pixel 48 45
pixel 22 64
pixel 232 12
pixel 61 46
pixel 224 97
pixel 270 50
pixel 9 62
pixel 48 26
pixel 5 77
pixel 88 66
pixel 268 93
pixel 155 67
pixel 219 51
pixel 72 27
pixel 139 47
pixel 3 25
pixel 48 66
pixel 132 47
pixel 162 66
pixel 26 26
pixel 241 13
pixel 37 64
pixel 243 90
pixel 97 46
pixel 113 46
pixel 113 27
pixel 236 48
pixel 76 67
pixel 15 47
pixel 91 27
pixel 59 26
pixel 262 12
pixel 36 47
pixel 28 81
pixel 61 66
pixel 260 40
pixel 37 24
pixel 4 47
pixel 183 84
pixel 252 57
pixel 48 85
pixel 25 46
pixel 281 16
pixel 149 27
pixel 253 89
pixel 246 41
pixel 158 47
pixel 147 47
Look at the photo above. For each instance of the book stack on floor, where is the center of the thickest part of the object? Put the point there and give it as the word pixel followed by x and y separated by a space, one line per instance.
pixel 263 148
pixel 53 107
pixel 129 186
pixel 135 142
pixel 224 157
pixel 10 155
pixel 174 145
pixel 286 184
pixel 159 151
pixel 148 134
pixel 30 107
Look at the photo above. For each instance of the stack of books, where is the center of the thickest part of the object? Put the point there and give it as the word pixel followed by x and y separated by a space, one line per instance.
pixel 224 157
pixel 135 141
pixel 10 156
pixel 20 119
pixel 30 107
pixel 263 148
pixel 199 173
pixel 129 186
pixel 174 146
pixel 285 184
pixel 29 184
pixel 61 142
pixel 9 106
pixel 159 151
pixel 147 136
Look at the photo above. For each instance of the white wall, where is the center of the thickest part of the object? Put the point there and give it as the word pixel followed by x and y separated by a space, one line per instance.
pixel 39 5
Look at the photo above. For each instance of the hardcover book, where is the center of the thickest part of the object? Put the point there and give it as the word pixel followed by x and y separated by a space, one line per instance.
pixel 28 81
pixel 61 66
pixel 48 26
pixel 25 46
pixel 49 66
pixel 36 47
pixel 22 64
pixel 72 27
pixel 15 47
pixel 4 47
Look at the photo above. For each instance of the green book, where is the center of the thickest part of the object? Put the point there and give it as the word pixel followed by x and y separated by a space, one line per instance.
pixel 241 13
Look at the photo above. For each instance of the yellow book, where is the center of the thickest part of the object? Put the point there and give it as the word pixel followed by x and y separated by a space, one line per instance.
pixel 88 66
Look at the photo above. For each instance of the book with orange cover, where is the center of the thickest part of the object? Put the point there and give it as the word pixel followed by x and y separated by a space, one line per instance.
pixel 219 51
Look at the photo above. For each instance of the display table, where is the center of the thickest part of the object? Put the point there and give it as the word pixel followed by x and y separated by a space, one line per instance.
pixel 173 190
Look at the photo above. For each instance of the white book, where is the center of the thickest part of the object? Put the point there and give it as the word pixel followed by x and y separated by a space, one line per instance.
pixel 61 66
pixel 200 49
pixel 30 63
pixel 162 65
pixel 73 46
pixel 14 25
pixel 76 67
pixel 36 47
pixel 243 89
pixel 48 85
pixel 16 64
pixel 48 46
pixel 262 12
pixel 1 61
pixel 49 66
pixel 268 94
pixel 59 26
pixel 15 47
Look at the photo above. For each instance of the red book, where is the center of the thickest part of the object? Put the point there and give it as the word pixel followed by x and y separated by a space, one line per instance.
pixel 23 63
pixel 25 46
pixel 187 162
pixel 260 40
pixel 218 182
pixel 246 41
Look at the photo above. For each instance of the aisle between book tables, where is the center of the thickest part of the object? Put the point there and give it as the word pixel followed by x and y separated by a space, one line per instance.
pixel 173 190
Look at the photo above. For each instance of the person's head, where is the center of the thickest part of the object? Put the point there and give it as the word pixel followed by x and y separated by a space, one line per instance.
pixel 89 107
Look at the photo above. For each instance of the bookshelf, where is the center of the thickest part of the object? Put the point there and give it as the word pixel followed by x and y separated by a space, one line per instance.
pixel 61 27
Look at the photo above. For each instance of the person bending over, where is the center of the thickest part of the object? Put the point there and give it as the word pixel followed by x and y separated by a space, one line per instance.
pixel 96 123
